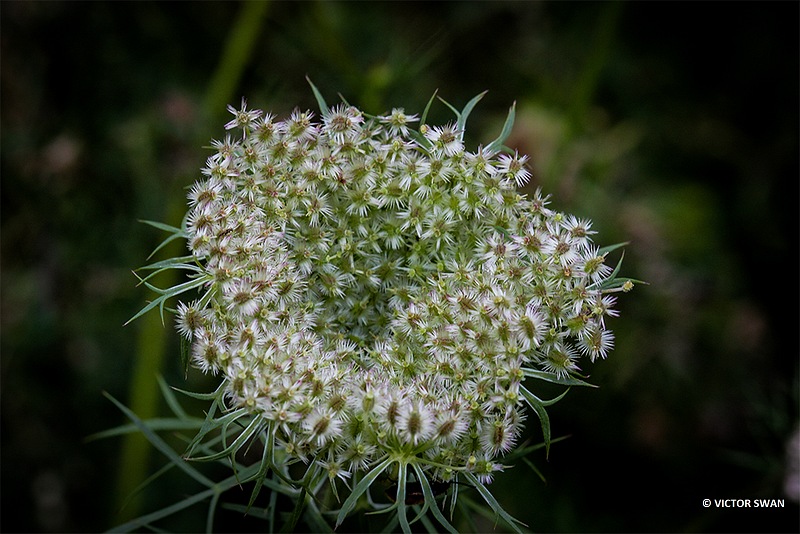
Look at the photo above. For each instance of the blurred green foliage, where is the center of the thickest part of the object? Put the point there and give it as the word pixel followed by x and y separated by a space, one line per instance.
pixel 672 126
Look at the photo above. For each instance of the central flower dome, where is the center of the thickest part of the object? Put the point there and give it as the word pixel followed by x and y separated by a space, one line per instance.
pixel 374 289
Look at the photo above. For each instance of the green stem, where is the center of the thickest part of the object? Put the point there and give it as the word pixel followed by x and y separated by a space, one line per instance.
pixel 585 87
pixel 152 335
pixel 590 75
pixel 237 53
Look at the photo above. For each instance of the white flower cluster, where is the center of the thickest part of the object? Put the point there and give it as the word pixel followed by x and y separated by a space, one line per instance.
pixel 375 290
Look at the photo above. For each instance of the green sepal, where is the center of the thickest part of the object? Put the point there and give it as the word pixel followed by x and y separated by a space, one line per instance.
pixel 362 486
pixel 174 263
pixel 166 294
pixel 497 145
pixel 298 510
pixel 323 107
pixel 611 248
pixel 535 470
pixel 165 227
pixel 402 508
pixel 612 282
pixel 202 396
pixel 254 427
pixel 461 118
pixel 430 500
pixel 172 401
pixel 177 233
pixel 506 234
pixel 492 502
pixel 449 105
pixel 146 520
pixel 617 283
pixel 212 508
pixel 555 379
pixel 160 444
pixel 156 423
pixel 418 136
pixel 168 264
pixel 538 406
pixel 186 351
pixel 555 399
pixel 427 108
pixel 209 424
pixel 421 140
pixel 523 450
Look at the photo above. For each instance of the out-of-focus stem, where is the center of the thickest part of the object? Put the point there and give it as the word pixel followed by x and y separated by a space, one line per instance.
pixel 152 334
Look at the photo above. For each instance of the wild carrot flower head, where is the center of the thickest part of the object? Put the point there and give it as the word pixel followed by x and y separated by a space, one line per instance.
pixel 373 291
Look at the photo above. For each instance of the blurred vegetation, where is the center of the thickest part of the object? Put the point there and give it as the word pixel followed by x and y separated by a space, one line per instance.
pixel 672 126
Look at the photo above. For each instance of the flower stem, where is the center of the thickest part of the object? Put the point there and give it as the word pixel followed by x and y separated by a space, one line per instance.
pixel 152 336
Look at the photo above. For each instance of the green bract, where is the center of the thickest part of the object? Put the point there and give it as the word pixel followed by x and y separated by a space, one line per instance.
pixel 374 298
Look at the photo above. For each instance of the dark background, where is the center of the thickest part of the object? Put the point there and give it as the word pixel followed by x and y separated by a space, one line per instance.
pixel 672 125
